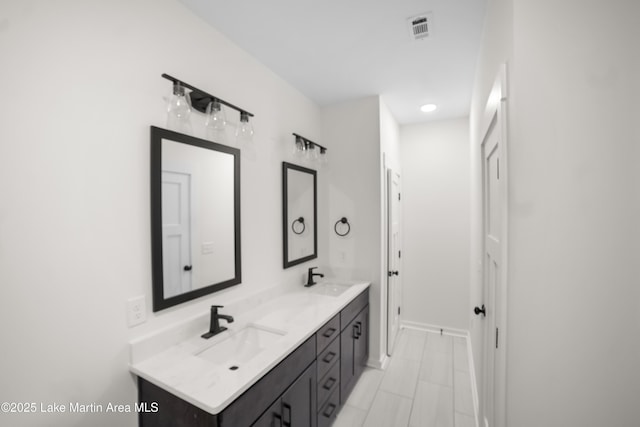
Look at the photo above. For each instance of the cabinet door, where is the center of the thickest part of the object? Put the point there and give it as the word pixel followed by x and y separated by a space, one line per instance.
pixel 354 352
pixel 361 344
pixel 299 401
pixel 347 360
pixel 272 417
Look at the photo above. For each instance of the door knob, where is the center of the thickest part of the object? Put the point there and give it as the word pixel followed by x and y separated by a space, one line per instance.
pixel 479 310
pixel 394 273
pixel 188 267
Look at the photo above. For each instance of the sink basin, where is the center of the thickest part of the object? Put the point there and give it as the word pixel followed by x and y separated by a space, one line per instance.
pixel 242 345
pixel 330 289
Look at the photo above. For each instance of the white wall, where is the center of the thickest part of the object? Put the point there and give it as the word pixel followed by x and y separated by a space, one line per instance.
pixel 352 133
pixel 81 85
pixel 573 294
pixel 435 195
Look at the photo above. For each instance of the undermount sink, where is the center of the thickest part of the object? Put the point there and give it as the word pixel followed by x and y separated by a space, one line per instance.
pixel 242 345
pixel 330 288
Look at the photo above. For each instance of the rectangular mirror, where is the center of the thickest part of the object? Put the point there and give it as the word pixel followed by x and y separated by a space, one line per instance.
pixel 195 217
pixel 299 214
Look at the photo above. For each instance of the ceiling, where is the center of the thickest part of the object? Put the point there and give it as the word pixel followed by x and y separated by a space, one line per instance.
pixel 338 50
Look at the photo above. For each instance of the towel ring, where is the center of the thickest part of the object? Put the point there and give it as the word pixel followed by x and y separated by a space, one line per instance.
pixel 293 225
pixel 342 220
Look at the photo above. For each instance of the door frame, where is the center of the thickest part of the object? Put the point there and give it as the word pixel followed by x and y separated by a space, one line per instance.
pixel 389 175
pixel 496 115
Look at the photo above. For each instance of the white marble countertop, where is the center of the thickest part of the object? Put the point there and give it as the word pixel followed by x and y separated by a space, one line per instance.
pixel 171 360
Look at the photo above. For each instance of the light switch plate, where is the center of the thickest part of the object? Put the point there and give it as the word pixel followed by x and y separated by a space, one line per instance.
pixel 136 311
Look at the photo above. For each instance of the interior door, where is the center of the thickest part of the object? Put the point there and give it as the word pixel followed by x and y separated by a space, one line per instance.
pixel 394 288
pixel 176 232
pixel 493 194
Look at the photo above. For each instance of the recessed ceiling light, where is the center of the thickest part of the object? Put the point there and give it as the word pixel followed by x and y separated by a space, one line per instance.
pixel 428 108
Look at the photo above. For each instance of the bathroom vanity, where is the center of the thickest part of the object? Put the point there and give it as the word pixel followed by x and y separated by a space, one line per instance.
pixel 290 360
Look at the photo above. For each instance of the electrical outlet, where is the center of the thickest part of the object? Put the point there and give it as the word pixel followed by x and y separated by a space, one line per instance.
pixel 136 311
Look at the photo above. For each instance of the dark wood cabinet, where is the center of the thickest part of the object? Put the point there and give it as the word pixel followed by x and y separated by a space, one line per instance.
pixel 272 417
pixel 354 352
pixel 296 407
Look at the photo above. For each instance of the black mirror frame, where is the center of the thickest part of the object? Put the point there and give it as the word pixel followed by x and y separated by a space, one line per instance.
pixel 285 215
pixel 159 301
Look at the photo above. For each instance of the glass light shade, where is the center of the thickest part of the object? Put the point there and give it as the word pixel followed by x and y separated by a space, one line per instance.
pixel 216 122
pixel 324 159
pixel 299 148
pixel 244 132
pixel 313 153
pixel 179 111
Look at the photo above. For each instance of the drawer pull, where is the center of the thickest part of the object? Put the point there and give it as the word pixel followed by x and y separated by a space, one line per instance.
pixel 329 332
pixel 277 420
pixel 357 330
pixel 329 383
pixel 287 408
pixel 329 411
pixel 329 357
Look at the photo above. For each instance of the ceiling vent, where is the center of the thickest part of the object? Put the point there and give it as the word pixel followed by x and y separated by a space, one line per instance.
pixel 421 26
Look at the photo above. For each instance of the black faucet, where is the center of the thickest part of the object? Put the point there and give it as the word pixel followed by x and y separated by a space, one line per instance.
pixel 311 275
pixel 215 327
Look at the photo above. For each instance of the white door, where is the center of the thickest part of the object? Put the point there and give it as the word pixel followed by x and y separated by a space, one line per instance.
pixel 176 233
pixel 394 288
pixel 492 404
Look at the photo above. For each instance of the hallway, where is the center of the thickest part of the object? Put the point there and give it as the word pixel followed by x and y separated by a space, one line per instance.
pixel 427 384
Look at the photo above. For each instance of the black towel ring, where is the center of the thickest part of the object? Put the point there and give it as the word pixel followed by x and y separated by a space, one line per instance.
pixel 342 220
pixel 293 225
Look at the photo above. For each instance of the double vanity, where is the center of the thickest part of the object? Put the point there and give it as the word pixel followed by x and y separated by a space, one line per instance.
pixel 286 357
pixel 290 358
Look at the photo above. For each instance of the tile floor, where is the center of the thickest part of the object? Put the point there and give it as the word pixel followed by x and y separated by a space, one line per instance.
pixel 426 384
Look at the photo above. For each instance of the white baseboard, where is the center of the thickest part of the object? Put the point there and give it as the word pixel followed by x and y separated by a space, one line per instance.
pixel 472 377
pixel 379 364
pixel 434 328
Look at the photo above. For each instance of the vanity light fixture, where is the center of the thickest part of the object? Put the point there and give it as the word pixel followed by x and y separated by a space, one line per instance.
pixel 211 105
pixel 307 149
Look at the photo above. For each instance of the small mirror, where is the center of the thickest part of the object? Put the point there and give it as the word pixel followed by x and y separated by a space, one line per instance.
pixel 299 214
pixel 195 217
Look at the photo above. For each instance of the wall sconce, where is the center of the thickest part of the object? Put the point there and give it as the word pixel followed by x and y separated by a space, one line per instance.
pixel 309 150
pixel 208 104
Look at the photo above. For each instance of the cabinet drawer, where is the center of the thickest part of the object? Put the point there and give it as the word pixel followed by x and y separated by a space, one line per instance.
pixel 327 333
pixel 328 383
pixel 328 357
pixel 350 311
pixel 329 411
